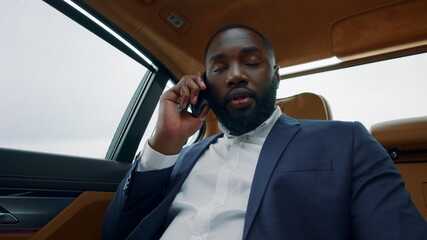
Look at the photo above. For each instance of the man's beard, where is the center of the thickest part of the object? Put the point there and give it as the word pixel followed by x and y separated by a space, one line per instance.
pixel 265 105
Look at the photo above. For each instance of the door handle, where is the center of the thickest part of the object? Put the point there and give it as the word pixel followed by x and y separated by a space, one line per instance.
pixel 6 217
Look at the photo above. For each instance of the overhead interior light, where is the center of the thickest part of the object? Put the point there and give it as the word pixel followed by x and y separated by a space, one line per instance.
pixel 309 66
pixel 105 27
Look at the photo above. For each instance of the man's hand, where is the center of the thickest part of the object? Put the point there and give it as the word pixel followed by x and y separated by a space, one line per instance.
pixel 175 125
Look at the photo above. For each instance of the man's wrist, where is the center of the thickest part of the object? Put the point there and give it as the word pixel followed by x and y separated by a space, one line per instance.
pixel 166 145
pixel 154 160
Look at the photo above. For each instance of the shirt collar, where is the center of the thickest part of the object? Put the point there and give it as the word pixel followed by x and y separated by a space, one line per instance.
pixel 261 131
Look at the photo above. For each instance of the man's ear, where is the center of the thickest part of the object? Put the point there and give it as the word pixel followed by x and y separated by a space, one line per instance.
pixel 276 72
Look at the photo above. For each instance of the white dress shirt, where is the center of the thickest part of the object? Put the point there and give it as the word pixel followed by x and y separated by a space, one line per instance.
pixel 213 199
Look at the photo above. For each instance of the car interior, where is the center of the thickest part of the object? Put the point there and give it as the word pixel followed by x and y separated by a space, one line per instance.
pixel 62 195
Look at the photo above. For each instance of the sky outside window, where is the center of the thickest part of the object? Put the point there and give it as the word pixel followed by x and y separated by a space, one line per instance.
pixel 370 93
pixel 62 88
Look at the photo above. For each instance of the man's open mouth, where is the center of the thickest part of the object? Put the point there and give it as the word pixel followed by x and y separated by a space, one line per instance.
pixel 239 98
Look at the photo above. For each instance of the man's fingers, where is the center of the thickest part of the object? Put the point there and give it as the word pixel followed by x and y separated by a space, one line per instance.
pixel 194 89
pixel 184 96
pixel 201 81
pixel 189 90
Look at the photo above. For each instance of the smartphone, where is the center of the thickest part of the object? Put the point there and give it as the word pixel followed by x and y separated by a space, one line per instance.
pixel 196 109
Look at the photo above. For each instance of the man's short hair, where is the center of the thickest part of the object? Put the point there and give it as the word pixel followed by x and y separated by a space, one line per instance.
pixel 264 39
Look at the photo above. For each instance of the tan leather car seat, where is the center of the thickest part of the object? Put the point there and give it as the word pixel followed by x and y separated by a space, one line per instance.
pixel 406 141
pixel 300 106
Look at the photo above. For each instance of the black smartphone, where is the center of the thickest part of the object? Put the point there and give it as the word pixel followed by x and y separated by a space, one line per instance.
pixel 196 109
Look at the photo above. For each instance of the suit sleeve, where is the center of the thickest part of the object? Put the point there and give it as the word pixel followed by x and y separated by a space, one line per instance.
pixel 381 206
pixel 136 196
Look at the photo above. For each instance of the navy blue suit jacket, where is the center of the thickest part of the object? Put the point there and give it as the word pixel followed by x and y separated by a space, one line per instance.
pixel 314 180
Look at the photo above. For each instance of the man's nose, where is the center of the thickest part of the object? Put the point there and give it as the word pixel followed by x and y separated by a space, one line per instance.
pixel 236 76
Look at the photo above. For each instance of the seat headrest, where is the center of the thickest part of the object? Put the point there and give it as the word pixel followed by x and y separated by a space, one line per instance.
pixel 301 106
pixel 404 134
pixel 305 106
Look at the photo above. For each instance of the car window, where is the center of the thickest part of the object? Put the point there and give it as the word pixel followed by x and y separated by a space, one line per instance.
pixel 152 124
pixel 62 88
pixel 370 93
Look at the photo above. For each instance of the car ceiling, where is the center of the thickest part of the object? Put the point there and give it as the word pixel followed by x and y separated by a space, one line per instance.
pixel 301 31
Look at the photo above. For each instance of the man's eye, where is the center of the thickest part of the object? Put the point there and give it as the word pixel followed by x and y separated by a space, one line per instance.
pixel 219 69
pixel 252 64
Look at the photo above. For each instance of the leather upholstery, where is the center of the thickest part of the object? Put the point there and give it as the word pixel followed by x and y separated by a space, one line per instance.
pixel 305 106
pixel 404 134
pixel 347 29
pixel 406 141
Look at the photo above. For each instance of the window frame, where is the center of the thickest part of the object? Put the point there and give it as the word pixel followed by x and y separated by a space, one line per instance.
pixel 28 170
pixel 129 132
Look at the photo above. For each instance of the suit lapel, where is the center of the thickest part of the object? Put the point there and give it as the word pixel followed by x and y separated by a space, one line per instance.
pixel 279 137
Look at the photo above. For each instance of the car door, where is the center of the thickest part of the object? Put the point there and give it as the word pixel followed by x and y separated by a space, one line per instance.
pixel 77 96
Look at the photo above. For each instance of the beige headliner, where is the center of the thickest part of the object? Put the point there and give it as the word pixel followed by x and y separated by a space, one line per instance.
pixel 301 31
